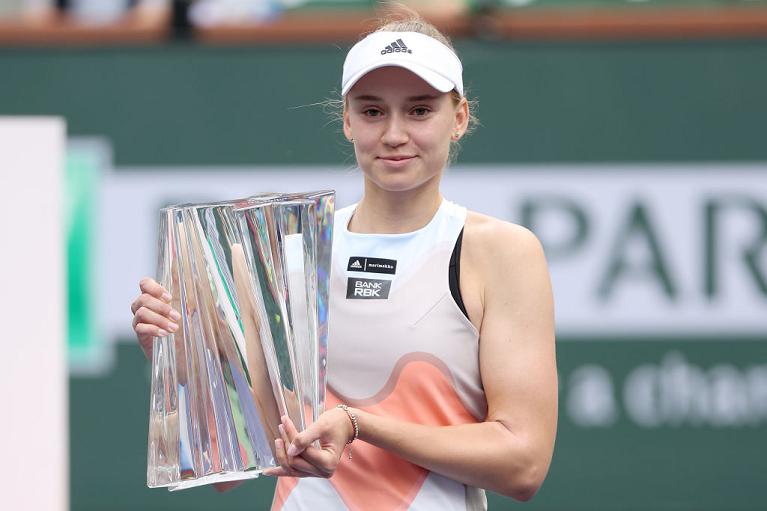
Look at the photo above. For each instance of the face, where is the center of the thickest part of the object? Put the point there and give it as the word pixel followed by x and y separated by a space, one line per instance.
pixel 402 128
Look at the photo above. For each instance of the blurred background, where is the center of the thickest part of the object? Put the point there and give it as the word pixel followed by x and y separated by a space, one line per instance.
pixel 631 136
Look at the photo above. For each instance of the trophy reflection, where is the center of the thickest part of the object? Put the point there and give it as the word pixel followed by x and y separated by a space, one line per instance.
pixel 250 279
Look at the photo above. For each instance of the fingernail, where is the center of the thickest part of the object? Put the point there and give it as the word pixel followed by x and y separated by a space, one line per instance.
pixel 166 297
pixel 282 429
pixel 162 333
pixel 292 451
pixel 284 419
pixel 175 316
pixel 172 327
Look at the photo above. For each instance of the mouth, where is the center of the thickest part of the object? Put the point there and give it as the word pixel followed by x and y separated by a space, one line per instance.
pixel 396 158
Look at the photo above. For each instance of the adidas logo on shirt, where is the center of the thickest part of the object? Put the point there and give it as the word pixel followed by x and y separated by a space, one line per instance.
pixel 396 47
pixel 372 265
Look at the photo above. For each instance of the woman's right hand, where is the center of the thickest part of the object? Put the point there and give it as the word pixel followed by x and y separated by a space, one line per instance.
pixel 153 315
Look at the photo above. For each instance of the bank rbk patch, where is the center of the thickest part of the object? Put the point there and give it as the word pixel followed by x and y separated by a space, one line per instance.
pixel 372 265
pixel 367 289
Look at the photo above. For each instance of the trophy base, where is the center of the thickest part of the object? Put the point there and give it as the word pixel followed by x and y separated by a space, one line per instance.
pixel 221 477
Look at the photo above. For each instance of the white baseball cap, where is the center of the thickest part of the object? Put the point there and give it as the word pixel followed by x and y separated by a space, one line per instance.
pixel 428 58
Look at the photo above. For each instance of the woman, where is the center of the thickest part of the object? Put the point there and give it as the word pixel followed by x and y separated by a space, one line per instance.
pixel 441 371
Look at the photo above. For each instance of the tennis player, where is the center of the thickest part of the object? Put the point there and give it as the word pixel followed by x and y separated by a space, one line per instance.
pixel 441 368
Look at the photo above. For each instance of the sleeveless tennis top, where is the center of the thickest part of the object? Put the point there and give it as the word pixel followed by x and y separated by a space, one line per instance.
pixel 399 346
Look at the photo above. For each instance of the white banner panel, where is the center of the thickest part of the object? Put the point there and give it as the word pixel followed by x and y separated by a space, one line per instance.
pixel 638 250
pixel 34 428
pixel 633 250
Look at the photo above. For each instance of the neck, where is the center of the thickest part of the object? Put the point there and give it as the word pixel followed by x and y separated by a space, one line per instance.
pixel 385 212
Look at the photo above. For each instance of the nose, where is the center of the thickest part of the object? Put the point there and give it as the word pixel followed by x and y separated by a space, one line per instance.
pixel 395 133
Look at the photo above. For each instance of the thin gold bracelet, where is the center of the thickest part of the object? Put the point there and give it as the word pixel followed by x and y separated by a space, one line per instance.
pixel 353 418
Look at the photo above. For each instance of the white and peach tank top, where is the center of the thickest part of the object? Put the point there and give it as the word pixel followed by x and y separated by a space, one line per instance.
pixel 400 347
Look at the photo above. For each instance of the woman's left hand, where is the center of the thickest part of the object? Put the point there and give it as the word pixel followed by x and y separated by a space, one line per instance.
pixel 297 455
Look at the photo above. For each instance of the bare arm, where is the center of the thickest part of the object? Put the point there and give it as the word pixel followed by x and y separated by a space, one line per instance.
pixel 510 451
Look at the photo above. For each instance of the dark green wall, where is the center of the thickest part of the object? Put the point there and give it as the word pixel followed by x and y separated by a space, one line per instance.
pixel 188 104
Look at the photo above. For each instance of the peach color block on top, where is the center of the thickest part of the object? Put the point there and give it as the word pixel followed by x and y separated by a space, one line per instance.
pixel 422 394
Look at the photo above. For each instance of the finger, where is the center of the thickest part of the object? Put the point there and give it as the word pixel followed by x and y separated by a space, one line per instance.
pixel 325 461
pixel 296 465
pixel 146 334
pixel 151 286
pixel 290 428
pixel 301 448
pixel 281 472
pixel 302 470
pixel 281 455
pixel 290 434
pixel 156 305
pixel 150 317
pixel 283 434
pixel 302 466
pixel 275 472
pixel 300 442
pixel 285 441
pixel 144 330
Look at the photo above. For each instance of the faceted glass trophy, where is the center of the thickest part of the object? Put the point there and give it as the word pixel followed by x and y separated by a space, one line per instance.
pixel 287 244
pixel 250 279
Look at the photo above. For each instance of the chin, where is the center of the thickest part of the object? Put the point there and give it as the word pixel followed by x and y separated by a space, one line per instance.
pixel 403 179
pixel 399 183
pixel 394 185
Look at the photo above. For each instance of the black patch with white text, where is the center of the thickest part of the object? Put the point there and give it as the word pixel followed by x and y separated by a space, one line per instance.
pixel 372 265
pixel 367 289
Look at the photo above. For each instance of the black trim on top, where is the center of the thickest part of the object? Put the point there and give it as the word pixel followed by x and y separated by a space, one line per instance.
pixel 454 274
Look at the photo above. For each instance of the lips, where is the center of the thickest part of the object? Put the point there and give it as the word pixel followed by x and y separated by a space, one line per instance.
pixel 396 157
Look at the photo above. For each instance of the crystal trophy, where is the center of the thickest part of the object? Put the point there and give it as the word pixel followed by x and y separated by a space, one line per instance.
pixel 250 279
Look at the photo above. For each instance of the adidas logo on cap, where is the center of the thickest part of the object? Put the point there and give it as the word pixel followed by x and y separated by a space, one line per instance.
pixel 396 47
pixel 356 264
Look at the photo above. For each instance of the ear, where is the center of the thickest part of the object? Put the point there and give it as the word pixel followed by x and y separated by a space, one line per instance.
pixel 347 125
pixel 461 119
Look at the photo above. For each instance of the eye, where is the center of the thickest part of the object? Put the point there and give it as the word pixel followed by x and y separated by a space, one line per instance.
pixel 371 112
pixel 420 111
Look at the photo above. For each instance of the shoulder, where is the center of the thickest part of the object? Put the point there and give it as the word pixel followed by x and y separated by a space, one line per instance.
pixel 501 264
pixel 491 242
pixel 509 272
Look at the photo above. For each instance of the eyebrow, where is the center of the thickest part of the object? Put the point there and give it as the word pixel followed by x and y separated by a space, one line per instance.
pixel 422 97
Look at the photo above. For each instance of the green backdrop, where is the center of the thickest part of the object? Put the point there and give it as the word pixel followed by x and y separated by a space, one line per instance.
pixel 182 104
